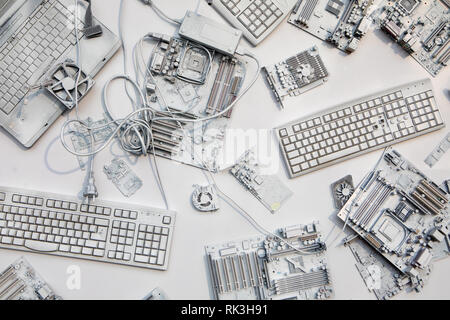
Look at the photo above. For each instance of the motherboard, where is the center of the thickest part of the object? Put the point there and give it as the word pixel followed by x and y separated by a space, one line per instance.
pixel 21 282
pixel 421 28
pixel 190 81
pixel 403 215
pixel 288 265
pixel 342 23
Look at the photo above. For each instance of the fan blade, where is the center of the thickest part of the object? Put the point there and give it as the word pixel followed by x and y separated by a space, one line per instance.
pixel 69 96
pixel 58 84
pixel 57 75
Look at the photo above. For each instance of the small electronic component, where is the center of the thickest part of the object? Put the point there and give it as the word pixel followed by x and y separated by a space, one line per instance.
pixel 403 215
pixel 210 33
pixel 421 28
pixel 82 138
pixel 290 266
pixel 342 23
pixel 296 74
pixel 342 191
pixel 268 189
pixel 205 199
pixel 123 177
pixel 63 83
pixel 156 294
pixel 21 282
pixel 439 151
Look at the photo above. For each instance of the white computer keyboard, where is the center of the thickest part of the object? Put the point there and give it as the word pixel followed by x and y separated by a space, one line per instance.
pixel 256 18
pixel 358 127
pixel 103 231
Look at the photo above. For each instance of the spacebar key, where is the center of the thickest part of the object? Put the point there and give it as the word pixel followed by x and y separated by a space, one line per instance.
pixel 41 246
pixel 338 155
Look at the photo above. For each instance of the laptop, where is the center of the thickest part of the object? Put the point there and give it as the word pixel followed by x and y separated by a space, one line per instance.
pixel 37 36
pixel 255 18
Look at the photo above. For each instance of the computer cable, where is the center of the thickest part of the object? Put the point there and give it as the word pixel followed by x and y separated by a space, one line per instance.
pixel 136 136
pixel 90 189
pixel 161 13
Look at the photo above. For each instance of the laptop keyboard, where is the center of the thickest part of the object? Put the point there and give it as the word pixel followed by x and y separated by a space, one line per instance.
pixel 40 41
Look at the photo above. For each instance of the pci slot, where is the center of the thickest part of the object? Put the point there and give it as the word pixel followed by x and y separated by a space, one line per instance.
pixel 219 277
pixel 234 272
pixel 250 270
pixel 430 197
pixel 243 273
pixel 9 288
pixel 226 271
pixel 212 267
pixel 302 282
pixel 258 270
pixel 435 190
pixel 429 43
pixel 414 202
pixel 425 202
pixel 443 59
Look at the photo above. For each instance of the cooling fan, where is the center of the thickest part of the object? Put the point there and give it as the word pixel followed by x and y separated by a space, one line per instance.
pixel 342 191
pixel 63 83
pixel 205 199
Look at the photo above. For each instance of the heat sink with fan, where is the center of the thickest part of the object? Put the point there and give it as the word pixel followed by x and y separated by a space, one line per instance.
pixel 342 191
pixel 63 83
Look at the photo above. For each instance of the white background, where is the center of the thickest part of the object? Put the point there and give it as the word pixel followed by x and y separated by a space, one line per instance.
pixel 378 64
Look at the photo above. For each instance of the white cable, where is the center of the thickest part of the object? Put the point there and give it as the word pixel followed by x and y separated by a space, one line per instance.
pixel 161 13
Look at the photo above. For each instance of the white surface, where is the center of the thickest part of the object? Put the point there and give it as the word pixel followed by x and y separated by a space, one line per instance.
pixel 376 65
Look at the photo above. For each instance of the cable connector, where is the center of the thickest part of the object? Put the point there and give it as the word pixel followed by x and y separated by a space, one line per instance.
pixel 158 36
pixel 90 191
